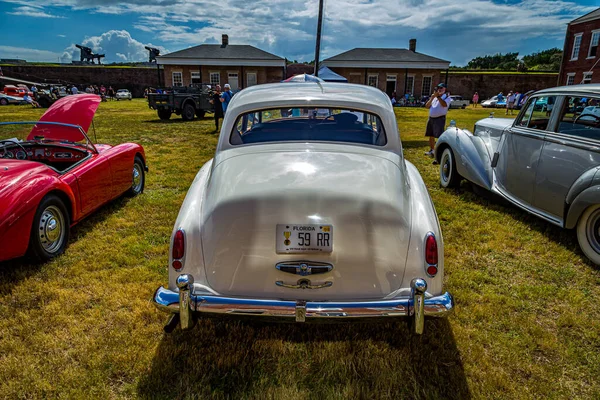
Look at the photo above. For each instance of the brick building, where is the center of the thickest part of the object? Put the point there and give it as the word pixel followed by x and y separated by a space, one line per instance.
pixel 239 65
pixel 581 57
pixel 391 70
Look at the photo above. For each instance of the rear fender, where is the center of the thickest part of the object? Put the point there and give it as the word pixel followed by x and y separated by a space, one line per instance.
pixel 586 198
pixel 470 153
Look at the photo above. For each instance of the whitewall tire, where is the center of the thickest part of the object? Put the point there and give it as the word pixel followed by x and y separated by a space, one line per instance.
pixel 588 233
pixel 449 176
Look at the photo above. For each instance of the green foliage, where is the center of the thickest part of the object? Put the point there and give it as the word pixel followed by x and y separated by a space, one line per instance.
pixel 526 324
pixel 548 60
pixel 500 61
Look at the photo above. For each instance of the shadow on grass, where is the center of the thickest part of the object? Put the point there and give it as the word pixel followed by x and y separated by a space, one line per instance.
pixel 242 359
pixel 178 120
pixel 565 237
pixel 411 144
pixel 18 269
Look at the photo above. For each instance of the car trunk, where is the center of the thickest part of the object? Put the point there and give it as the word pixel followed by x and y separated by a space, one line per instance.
pixel 363 197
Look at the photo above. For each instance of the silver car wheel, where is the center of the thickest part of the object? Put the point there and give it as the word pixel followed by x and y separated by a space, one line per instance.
pixel 448 175
pixel 52 229
pixel 137 176
pixel 588 233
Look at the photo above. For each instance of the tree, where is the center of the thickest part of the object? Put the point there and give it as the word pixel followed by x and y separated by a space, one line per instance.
pixel 508 61
pixel 548 60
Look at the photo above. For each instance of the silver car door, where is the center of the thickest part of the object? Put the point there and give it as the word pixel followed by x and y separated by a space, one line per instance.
pixel 570 151
pixel 520 153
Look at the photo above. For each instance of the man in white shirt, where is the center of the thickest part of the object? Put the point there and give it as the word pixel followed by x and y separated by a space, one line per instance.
pixel 510 102
pixel 74 89
pixel 438 105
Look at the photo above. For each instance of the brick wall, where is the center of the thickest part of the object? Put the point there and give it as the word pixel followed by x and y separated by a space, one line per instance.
pixel 263 74
pixel 134 79
pixel 583 63
pixel 488 85
pixel 360 75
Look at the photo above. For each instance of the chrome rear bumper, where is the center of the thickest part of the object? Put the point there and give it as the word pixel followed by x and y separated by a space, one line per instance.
pixel 188 305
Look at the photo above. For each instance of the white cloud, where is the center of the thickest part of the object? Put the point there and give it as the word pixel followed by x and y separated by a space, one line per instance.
pixel 117 45
pixel 28 54
pixel 62 36
pixel 36 12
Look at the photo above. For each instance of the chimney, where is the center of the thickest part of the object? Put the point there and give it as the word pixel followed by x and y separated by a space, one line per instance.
pixel 412 45
pixel 224 40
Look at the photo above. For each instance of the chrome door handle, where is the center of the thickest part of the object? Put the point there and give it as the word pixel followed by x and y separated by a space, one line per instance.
pixel 304 284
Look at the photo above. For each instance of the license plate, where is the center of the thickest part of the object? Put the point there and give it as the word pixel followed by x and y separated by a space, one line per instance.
pixel 306 238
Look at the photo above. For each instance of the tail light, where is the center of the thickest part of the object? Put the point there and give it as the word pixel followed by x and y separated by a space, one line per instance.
pixel 178 249
pixel 431 254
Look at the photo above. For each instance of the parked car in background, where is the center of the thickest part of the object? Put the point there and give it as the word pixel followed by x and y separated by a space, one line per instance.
pixel 187 101
pixel 494 103
pixel 6 99
pixel 12 90
pixel 459 102
pixel 307 212
pixel 52 176
pixel 546 161
pixel 123 94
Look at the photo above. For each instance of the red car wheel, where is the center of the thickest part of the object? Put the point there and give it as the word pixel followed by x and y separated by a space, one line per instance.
pixel 50 229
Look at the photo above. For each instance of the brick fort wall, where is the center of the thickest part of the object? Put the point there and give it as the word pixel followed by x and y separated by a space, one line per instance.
pixel 135 79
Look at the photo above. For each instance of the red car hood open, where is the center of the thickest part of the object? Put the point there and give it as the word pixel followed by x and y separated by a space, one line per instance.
pixel 75 110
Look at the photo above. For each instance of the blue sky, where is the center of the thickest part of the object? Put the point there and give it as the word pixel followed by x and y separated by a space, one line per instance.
pixel 455 30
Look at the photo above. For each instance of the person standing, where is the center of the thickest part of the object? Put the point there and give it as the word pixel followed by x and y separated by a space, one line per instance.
pixel 217 106
pixel 475 99
pixel 438 105
pixel 74 90
pixel 510 102
pixel 226 97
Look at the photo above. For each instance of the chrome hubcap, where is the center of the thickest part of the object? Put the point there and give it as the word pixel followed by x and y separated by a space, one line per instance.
pixel 593 230
pixel 137 177
pixel 52 229
pixel 446 168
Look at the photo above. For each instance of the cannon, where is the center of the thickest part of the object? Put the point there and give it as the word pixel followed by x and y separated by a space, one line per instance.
pixel 88 56
pixel 153 53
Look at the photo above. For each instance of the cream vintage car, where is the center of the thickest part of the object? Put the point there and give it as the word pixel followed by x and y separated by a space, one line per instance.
pixel 308 211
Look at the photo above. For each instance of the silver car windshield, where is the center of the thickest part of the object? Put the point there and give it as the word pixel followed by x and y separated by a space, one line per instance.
pixel 308 124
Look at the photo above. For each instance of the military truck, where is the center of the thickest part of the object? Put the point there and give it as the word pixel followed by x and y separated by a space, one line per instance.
pixel 187 101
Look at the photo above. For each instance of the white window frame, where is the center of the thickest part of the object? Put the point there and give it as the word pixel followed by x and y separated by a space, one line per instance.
pixel 597 34
pixel 587 76
pixel 423 91
pixel 180 74
pixel 376 76
pixel 410 89
pixel 214 81
pixel 575 56
pixel 248 78
pixel 570 77
pixel 194 73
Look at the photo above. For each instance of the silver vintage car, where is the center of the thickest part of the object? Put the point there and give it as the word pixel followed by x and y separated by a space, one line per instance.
pixel 546 161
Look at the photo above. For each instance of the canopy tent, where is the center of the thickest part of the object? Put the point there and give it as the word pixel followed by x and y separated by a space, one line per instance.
pixel 329 76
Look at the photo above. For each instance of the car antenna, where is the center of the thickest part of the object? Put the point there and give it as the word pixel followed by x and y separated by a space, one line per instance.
pixel 94 128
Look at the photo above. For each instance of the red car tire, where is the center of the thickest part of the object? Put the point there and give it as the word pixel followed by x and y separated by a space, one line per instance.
pixel 49 230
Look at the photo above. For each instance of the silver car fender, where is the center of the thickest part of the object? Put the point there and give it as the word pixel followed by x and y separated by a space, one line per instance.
pixel 470 154
pixel 580 198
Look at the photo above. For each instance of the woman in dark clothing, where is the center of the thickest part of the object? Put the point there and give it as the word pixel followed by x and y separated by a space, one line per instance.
pixel 218 109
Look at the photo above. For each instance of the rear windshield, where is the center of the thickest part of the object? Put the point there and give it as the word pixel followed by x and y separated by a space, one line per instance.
pixel 308 124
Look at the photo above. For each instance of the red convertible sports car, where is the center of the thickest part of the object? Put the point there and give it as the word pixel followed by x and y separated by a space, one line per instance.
pixel 52 176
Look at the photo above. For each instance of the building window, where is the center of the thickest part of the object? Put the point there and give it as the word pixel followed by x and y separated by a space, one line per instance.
pixel 426 86
pixel 372 81
pixel 215 78
pixel 410 84
pixel 576 46
pixel 232 79
pixel 587 77
pixel 571 78
pixel 250 79
pixel 196 77
pixel 177 79
pixel 594 44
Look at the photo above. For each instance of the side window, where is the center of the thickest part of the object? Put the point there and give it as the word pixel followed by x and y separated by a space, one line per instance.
pixel 581 117
pixel 537 113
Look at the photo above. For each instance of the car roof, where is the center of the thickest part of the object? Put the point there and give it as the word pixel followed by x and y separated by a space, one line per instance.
pixel 590 88
pixel 335 93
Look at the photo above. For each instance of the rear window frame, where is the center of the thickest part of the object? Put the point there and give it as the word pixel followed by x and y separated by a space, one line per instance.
pixel 234 131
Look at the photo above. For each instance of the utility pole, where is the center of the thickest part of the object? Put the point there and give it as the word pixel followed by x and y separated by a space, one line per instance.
pixel 318 48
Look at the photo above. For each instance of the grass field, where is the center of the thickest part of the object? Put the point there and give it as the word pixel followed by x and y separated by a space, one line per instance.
pixel 527 320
